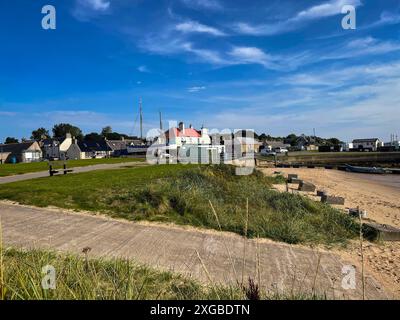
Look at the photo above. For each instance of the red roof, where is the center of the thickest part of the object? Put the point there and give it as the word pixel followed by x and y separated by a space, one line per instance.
pixel 188 132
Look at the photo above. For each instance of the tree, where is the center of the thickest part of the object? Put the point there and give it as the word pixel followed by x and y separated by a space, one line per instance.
pixel 106 131
pixel 61 130
pixel 40 134
pixel 292 139
pixel 334 141
pixel 94 136
pixel 11 140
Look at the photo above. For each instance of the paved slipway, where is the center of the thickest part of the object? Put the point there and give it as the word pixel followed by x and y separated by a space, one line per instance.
pixel 42 174
pixel 185 250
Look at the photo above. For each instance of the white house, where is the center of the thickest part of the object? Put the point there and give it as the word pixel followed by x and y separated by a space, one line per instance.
pixel 371 144
pixel 177 137
pixel 27 151
pixel 54 149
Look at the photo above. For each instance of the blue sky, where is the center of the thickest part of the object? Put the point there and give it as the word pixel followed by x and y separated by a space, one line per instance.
pixel 273 66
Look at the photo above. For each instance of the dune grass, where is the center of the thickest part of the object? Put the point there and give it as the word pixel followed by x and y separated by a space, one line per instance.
pixel 79 278
pixel 85 278
pixel 8 169
pixel 181 193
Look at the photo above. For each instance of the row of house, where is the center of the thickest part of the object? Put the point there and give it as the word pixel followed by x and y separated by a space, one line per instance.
pixel 68 149
pixel 173 140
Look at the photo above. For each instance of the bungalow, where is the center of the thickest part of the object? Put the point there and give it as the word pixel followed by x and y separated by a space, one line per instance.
pixel 270 146
pixel 120 147
pixel 28 151
pixel 94 150
pixel 371 144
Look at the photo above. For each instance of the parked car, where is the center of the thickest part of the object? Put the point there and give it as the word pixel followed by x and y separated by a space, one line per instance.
pixel 281 150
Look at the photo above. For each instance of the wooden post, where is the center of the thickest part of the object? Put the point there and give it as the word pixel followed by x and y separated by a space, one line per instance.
pixel 65 168
pixel 51 170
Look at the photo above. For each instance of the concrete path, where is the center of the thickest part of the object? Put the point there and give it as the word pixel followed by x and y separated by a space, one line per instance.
pixel 42 174
pixel 281 266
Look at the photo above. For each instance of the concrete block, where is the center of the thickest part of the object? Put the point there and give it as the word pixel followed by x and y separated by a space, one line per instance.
pixel 295 181
pixel 332 200
pixel 292 175
pixel 376 231
pixel 306 186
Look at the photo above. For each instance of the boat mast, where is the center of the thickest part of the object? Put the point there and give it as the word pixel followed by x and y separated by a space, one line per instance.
pixel 141 119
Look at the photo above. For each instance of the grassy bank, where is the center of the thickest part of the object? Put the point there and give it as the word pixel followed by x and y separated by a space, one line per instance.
pixel 9 169
pixel 84 278
pixel 181 193
pixel 96 279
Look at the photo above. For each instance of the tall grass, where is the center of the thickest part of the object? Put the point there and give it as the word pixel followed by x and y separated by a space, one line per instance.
pixel 98 279
pixel 117 279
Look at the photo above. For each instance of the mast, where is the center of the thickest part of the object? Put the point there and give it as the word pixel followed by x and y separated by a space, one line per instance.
pixel 141 119
pixel 160 121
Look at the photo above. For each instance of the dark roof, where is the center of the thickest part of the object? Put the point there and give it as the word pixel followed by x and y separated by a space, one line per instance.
pixel 16 147
pixel 88 146
pixel 49 142
pixel 365 140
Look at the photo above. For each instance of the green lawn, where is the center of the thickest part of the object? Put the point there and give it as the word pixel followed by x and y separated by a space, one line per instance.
pixel 9 169
pixel 181 193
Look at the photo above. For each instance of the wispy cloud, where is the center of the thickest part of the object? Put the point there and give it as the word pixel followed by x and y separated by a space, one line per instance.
pixel 87 9
pixel 252 55
pixel 196 27
pixel 196 89
pixel 143 69
pixel 327 9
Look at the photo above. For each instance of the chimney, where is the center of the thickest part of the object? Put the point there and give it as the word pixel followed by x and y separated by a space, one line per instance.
pixel 181 126
pixel 68 136
pixel 190 126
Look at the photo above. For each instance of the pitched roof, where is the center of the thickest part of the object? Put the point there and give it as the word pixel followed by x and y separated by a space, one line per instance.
pixel 16 147
pixel 187 132
pixel 365 140
pixel 89 146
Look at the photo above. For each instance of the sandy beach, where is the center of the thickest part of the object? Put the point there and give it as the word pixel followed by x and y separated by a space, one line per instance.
pixel 380 196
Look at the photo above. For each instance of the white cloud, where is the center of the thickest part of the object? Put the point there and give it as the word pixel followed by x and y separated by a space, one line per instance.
pixel 87 9
pixel 361 47
pixel 331 8
pixel 246 55
pixel 195 27
pixel 143 69
pixel 327 9
pixel 98 5
pixel 196 89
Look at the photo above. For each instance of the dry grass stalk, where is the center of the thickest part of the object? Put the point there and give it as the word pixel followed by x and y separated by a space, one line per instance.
pixel 226 247
pixel 207 273
pixel 316 274
pixel 2 284
pixel 362 255
pixel 258 273
pixel 245 239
